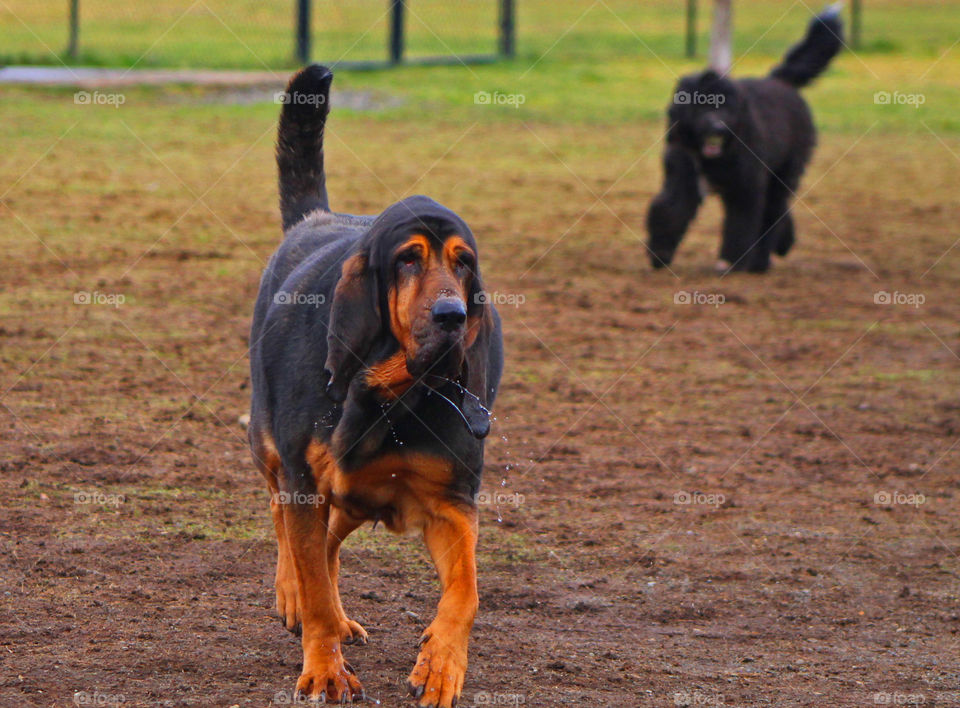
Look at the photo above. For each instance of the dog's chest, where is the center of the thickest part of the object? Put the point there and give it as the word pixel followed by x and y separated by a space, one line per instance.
pixel 398 490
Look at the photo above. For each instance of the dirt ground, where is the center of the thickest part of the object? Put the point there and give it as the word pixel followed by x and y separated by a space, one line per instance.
pixel 747 500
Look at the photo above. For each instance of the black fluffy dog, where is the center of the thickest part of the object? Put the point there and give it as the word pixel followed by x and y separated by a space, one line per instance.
pixel 749 140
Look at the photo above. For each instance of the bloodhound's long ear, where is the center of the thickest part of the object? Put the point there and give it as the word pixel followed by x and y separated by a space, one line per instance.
pixel 354 324
pixel 475 364
pixel 474 376
pixel 478 308
pixel 477 297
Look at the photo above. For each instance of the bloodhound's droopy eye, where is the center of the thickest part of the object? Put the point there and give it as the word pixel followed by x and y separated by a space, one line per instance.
pixel 459 257
pixel 412 255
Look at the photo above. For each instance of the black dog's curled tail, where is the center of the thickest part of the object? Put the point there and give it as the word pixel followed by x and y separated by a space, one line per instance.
pixel 808 59
pixel 306 103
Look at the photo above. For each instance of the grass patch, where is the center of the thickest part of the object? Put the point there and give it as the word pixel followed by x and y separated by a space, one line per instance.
pixel 609 62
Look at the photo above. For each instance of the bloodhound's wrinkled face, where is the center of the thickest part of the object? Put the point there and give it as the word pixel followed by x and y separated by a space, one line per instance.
pixel 417 284
pixel 431 284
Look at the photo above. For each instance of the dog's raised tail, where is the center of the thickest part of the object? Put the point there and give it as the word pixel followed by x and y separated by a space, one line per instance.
pixel 808 59
pixel 306 103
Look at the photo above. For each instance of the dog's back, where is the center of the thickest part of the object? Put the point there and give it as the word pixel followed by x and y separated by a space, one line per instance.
pixel 321 234
pixel 307 265
pixel 786 133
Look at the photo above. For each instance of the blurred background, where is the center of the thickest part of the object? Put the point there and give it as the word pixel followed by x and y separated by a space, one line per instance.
pixel 602 50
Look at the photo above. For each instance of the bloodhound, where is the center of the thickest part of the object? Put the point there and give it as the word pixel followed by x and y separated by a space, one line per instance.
pixel 374 358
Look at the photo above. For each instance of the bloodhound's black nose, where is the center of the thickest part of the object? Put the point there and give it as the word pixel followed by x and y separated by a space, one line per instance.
pixel 449 313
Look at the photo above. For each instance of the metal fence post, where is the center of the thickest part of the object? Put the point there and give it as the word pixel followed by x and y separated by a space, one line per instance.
pixel 507 29
pixel 691 28
pixel 396 31
pixel 303 31
pixel 73 46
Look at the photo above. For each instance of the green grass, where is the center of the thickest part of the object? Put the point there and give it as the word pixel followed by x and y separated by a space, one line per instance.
pixel 256 33
pixel 605 62
pixel 250 34
pixel 923 375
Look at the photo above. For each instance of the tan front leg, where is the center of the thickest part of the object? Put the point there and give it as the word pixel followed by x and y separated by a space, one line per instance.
pixel 451 537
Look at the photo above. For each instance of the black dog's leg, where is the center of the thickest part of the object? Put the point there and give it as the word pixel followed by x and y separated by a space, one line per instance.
pixel 743 246
pixel 777 220
pixel 674 207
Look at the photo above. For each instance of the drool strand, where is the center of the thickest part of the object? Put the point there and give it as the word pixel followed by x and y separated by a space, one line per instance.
pixel 463 390
pixel 453 405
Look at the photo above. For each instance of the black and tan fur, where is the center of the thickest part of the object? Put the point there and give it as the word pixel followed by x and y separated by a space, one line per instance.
pixel 374 357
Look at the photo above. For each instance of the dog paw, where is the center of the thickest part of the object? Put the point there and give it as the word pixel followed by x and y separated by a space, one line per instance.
pixel 332 681
pixel 437 677
pixel 288 605
pixel 351 632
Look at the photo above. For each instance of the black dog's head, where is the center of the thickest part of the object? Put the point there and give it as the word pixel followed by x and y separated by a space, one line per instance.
pixel 705 114
pixel 412 294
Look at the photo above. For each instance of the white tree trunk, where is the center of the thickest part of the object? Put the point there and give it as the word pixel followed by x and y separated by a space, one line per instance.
pixel 721 36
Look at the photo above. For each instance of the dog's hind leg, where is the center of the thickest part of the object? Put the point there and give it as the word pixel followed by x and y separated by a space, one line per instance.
pixel 341 526
pixel 288 604
pixel 672 210
pixel 268 462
